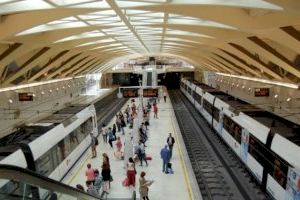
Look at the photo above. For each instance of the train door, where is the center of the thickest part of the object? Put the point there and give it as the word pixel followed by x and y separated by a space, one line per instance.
pixel 244 145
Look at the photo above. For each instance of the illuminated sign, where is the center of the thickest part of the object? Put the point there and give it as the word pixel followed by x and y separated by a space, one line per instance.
pixel 261 92
pixel 150 92
pixel 130 92
pixel 25 96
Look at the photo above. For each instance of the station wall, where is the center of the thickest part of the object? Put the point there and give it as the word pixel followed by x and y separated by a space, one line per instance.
pixel 282 101
pixel 47 99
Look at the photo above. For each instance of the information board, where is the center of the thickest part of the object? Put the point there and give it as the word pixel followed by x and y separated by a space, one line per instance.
pixel 25 96
pixel 130 92
pixel 261 92
pixel 150 92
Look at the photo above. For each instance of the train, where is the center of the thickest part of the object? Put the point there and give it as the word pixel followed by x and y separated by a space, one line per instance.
pixel 50 146
pixel 267 144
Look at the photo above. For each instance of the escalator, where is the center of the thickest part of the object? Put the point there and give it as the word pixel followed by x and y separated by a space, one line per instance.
pixel 21 184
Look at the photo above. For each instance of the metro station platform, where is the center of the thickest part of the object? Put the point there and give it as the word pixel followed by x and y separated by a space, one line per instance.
pixel 169 186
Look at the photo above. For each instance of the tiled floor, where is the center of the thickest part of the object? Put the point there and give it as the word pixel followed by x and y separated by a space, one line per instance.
pixel 165 186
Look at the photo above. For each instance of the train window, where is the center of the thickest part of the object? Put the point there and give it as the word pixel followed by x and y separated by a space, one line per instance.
pixel 68 148
pixel 197 97
pixel 74 141
pixel 216 114
pixel 232 128
pixel 61 146
pixel 207 106
pixel 44 164
pixel 189 90
pixel 274 165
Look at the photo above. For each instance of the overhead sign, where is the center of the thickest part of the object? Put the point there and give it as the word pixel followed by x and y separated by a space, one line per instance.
pixel 26 96
pixel 261 92
pixel 150 92
pixel 130 92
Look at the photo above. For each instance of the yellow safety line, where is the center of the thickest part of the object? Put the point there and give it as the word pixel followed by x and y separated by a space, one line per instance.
pixel 183 166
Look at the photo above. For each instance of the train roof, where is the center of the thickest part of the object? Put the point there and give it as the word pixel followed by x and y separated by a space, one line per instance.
pixel 277 124
pixel 10 143
pixel 30 132
pixel 62 116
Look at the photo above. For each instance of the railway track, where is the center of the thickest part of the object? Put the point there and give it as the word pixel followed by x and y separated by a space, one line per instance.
pixel 219 173
pixel 108 107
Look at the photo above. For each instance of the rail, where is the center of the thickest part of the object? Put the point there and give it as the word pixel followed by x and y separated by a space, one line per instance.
pixel 32 186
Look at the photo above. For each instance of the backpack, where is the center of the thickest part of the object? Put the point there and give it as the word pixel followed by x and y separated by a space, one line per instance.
pixel 96 141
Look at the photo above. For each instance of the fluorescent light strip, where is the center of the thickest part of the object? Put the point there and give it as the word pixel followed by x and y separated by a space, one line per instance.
pixel 36 84
pixel 289 85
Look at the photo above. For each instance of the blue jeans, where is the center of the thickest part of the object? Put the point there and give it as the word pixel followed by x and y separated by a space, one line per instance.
pixel 165 165
pixel 122 129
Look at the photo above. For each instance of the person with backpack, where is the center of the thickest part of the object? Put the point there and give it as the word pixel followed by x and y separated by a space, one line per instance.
pixel 94 145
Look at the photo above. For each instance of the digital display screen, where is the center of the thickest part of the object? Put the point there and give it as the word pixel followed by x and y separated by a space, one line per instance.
pixel 25 96
pixel 261 92
pixel 129 92
pixel 150 92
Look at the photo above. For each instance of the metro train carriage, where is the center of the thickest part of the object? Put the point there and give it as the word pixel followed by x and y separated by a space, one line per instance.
pixel 55 142
pixel 268 145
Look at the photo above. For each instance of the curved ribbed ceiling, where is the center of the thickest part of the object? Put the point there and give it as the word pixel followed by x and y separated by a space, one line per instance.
pixel 47 39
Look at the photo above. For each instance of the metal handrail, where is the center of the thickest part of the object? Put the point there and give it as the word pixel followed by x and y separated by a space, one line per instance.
pixel 10 172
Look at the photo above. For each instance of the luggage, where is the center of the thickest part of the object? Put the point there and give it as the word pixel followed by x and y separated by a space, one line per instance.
pixel 125 182
pixel 148 158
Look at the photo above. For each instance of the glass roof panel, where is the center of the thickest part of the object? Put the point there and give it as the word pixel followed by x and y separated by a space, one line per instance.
pixel 240 3
pixel 21 6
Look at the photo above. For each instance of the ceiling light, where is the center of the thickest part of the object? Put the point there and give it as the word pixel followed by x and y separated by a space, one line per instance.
pixel 33 94
pixel 42 92
pixel 237 85
pixel 289 85
pixel 50 90
pixel 10 100
pixel 57 89
pixel 63 87
pixel 288 99
pixel 69 85
pixel 276 96
pixel 249 88
pixel 243 86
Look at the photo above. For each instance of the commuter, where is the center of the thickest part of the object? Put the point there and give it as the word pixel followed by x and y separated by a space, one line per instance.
pixel 142 154
pixel 106 177
pixel 127 110
pixel 131 172
pixel 170 142
pixel 114 130
pixel 122 125
pixel 111 137
pixel 91 189
pixel 118 122
pixel 80 187
pixel 149 106
pixel 90 174
pixel 133 107
pixel 105 159
pixel 165 97
pixel 104 135
pixel 98 180
pixel 119 144
pixel 144 186
pixel 155 110
pixel 130 121
pixel 94 145
pixel 165 156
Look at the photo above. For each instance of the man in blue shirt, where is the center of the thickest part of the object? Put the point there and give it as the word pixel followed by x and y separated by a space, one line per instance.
pixel 165 156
